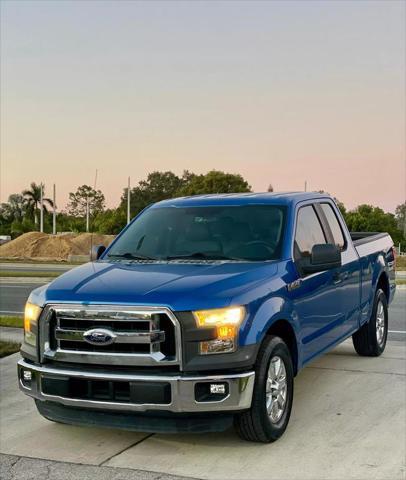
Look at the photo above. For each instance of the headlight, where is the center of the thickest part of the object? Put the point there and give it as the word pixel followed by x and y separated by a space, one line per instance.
pixel 31 315
pixel 227 321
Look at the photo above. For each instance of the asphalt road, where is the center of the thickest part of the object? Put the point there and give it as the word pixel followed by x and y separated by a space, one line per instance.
pixel 14 295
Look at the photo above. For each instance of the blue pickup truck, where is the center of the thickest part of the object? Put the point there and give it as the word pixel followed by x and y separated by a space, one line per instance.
pixel 201 313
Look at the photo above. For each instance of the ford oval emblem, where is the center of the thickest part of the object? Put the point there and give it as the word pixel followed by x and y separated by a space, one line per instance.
pixel 99 336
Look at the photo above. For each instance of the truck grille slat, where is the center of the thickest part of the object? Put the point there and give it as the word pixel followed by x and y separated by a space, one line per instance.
pixel 121 337
pixel 118 325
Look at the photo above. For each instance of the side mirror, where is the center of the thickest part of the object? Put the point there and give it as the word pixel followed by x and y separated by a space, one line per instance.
pixel 324 256
pixel 96 252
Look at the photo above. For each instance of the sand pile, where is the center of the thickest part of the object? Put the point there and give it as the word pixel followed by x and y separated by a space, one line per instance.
pixel 81 244
pixel 41 246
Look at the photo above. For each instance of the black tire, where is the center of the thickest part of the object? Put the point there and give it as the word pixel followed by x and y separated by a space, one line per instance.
pixel 367 342
pixel 255 425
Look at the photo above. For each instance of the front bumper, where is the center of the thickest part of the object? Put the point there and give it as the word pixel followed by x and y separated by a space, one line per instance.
pixel 182 398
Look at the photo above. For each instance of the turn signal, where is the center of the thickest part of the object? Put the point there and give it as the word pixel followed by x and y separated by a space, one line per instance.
pixel 227 321
pixel 31 315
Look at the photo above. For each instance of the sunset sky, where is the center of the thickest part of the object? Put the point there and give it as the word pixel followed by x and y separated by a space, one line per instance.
pixel 280 92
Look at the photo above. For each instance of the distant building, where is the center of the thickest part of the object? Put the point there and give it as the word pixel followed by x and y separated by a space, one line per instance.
pixel 4 239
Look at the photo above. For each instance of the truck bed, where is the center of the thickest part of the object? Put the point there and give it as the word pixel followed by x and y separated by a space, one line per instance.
pixel 360 238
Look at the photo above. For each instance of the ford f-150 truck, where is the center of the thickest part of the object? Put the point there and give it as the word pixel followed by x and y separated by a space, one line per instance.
pixel 202 311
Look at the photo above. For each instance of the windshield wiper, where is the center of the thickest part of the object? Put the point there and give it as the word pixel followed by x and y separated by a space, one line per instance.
pixel 200 256
pixel 131 256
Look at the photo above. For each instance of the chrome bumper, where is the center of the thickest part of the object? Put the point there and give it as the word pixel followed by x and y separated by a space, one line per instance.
pixel 240 388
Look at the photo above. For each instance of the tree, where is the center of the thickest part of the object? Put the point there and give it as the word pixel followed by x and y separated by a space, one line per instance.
pixel 33 200
pixel 110 221
pixel 78 200
pixel 16 206
pixel 10 211
pixel 158 186
pixel 341 207
pixel 163 185
pixel 400 215
pixel 215 182
pixel 366 218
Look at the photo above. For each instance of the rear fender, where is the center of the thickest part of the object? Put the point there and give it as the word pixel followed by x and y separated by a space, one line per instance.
pixel 377 267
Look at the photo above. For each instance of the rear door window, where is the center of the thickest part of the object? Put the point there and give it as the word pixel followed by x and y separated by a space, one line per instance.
pixel 334 225
pixel 308 233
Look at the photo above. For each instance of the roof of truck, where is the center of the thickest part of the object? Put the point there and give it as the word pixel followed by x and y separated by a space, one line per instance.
pixel 277 198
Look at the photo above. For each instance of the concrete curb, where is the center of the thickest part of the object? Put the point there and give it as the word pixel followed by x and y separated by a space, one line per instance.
pixel 30 280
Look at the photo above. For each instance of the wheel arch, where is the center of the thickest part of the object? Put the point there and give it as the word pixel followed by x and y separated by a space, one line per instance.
pixel 383 284
pixel 284 330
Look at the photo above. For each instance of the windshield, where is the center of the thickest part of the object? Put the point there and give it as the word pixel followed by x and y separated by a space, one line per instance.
pixel 251 233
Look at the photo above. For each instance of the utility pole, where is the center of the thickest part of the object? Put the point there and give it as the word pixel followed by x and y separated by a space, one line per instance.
pixel 128 202
pixel 54 212
pixel 305 186
pixel 41 206
pixel 87 213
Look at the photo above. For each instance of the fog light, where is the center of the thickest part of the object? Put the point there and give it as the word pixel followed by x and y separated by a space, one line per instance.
pixel 27 375
pixel 218 388
pixel 211 392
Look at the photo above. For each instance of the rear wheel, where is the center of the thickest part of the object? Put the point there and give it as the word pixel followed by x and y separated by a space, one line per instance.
pixel 271 404
pixel 370 339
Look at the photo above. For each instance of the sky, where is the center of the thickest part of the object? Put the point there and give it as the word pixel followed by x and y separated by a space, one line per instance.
pixel 280 92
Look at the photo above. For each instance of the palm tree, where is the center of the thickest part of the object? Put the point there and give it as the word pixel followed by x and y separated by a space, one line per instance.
pixel 33 198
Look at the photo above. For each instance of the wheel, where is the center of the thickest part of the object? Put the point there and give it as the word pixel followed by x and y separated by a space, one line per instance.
pixel 272 398
pixel 370 339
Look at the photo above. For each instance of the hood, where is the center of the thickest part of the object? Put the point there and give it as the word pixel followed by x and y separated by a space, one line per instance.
pixel 179 286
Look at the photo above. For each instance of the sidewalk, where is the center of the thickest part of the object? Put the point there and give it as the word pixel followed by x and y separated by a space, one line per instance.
pixel 348 422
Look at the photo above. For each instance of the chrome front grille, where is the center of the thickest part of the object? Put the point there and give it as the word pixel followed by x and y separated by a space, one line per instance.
pixel 110 335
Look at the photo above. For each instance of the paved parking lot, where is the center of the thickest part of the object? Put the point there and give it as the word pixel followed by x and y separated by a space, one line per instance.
pixel 348 421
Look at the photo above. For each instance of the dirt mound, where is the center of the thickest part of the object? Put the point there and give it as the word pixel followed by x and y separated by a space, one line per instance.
pixel 83 243
pixel 41 246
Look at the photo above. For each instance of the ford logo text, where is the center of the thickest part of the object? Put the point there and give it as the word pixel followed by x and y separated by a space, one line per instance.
pixel 99 336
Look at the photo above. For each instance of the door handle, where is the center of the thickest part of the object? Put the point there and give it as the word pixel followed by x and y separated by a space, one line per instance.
pixel 337 278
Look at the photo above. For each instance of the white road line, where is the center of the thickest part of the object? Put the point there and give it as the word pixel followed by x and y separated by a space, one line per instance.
pixel 16 286
pixel 396 331
pixel 10 312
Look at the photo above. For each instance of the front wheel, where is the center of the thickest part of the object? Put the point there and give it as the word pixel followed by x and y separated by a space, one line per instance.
pixel 370 339
pixel 272 398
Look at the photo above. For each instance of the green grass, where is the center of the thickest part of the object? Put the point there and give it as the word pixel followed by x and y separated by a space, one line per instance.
pixel 401 262
pixel 8 348
pixel 9 274
pixel 17 322
pixel 32 261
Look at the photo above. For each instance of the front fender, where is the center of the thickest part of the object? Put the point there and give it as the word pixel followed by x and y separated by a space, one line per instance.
pixel 277 307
